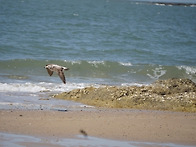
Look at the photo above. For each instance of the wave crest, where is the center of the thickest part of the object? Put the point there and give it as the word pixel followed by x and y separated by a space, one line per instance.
pixel 95 71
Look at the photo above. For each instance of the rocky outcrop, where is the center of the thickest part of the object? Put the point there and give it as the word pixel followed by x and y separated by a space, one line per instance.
pixel 172 94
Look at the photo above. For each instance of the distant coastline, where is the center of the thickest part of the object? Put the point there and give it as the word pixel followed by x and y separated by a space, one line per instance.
pixel 169 3
pixel 173 4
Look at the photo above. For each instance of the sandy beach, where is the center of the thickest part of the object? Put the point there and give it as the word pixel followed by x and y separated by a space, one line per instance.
pixel 117 124
pixel 131 80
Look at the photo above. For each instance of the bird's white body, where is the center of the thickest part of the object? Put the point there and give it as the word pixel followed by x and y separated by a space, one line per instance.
pixel 58 69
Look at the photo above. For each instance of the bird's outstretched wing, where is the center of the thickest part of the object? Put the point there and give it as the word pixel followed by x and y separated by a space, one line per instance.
pixel 61 75
pixel 50 72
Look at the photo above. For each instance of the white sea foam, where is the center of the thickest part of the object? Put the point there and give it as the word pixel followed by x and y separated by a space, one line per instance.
pixel 125 64
pixel 75 14
pixel 37 95
pixel 40 87
pixel 158 4
pixel 193 5
pixel 157 73
pixel 18 87
pixel 96 62
pixel 73 62
pixel 189 70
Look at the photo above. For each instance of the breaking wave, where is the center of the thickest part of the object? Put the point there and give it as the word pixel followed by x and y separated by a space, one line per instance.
pixel 94 71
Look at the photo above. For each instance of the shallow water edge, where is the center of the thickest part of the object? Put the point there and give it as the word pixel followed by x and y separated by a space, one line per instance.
pixel 19 140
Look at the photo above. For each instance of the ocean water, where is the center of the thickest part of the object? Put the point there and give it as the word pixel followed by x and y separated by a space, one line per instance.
pixel 114 42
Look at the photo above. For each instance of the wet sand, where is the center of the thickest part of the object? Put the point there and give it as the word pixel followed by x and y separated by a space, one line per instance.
pixel 117 124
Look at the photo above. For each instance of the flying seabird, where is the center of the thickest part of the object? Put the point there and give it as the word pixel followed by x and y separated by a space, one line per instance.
pixel 56 68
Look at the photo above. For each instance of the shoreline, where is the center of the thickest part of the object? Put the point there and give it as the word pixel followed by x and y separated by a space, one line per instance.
pixel 172 94
pixel 116 124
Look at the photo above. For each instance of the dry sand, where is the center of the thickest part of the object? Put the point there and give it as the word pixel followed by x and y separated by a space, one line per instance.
pixel 121 124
